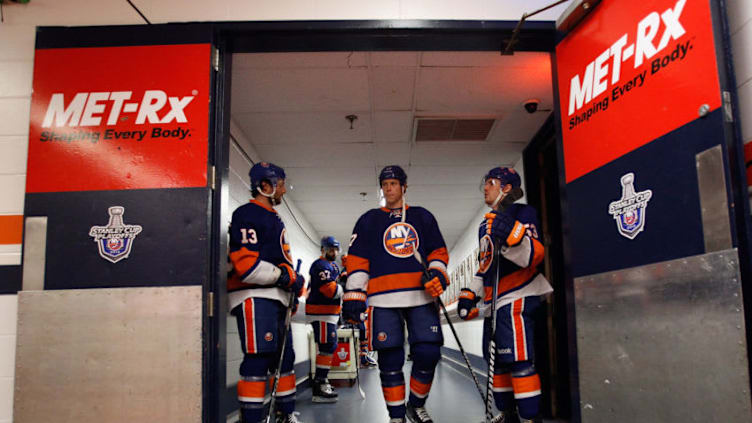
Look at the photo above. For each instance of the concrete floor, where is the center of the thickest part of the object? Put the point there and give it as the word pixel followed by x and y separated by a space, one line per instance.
pixel 453 399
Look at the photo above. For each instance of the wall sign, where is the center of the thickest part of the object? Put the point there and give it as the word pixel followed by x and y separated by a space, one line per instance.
pixel 631 72
pixel 119 118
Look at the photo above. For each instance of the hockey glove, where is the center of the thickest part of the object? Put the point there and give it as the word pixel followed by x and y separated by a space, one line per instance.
pixel 289 280
pixel 435 282
pixel 354 306
pixel 503 227
pixel 466 307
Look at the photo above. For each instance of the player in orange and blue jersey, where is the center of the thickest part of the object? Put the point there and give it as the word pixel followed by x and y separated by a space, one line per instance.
pixel 259 289
pixel 381 268
pixel 513 228
pixel 322 311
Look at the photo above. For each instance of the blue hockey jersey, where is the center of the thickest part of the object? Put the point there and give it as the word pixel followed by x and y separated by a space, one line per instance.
pixel 324 302
pixel 258 244
pixel 518 273
pixel 380 259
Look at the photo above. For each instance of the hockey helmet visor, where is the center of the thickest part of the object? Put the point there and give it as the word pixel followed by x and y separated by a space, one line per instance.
pixel 505 175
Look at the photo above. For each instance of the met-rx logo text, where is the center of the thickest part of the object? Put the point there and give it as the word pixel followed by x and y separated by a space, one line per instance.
pixel 116 239
pixel 401 239
pixel 595 80
pixel 629 210
pixel 88 109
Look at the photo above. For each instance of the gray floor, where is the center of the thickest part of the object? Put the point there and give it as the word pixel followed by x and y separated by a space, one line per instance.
pixel 453 399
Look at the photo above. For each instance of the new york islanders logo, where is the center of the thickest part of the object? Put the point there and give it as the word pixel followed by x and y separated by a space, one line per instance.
pixel 485 254
pixel 629 210
pixel 401 239
pixel 116 239
pixel 284 245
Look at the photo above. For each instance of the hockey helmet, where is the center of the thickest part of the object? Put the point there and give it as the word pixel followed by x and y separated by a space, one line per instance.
pixel 329 242
pixel 265 171
pixel 393 172
pixel 506 175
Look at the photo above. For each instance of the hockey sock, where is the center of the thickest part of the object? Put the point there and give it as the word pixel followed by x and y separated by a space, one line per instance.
pixel 363 348
pixel 252 385
pixel 527 389
pixel 324 360
pixel 323 364
pixel 392 380
pixel 502 391
pixel 425 358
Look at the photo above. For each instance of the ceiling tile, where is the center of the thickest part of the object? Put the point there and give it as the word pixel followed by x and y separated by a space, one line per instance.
pixel 392 126
pixel 480 154
pixel 332 176
pixel 304 127
pixel 300 90
pixel 393 88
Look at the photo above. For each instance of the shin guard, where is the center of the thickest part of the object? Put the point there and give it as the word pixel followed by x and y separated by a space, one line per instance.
pixel 393 380
pixel 425 358
pixel 527 389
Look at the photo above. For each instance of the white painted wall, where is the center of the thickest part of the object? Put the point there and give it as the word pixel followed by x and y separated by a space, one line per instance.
pixel 740 29
pixel 8 311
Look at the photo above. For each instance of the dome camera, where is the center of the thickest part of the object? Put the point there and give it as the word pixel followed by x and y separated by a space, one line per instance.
pixel 531 105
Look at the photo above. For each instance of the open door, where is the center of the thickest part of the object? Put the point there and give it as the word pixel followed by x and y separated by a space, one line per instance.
pixel 655 215
pixel 113 314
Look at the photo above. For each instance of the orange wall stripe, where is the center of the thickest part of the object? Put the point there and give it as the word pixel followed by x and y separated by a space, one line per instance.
pixel 11 229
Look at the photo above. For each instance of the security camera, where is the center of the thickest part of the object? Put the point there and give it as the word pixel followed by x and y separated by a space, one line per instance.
pixel 531 106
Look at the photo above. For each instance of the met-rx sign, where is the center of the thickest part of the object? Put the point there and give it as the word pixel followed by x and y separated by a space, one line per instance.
pixel 631 72
pixel 115 118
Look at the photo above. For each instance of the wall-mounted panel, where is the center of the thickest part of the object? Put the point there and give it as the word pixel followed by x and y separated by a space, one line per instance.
pixel 109 355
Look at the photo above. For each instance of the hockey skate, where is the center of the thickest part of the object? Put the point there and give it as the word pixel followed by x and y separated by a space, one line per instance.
pixel 367 362
pixel 418 414
pixel 500 418
pixel 287 418
pixel 323 391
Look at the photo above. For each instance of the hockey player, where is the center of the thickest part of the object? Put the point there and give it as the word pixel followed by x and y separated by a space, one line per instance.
pixel 383 269
pixel 322 310
pixel 259 287
pixel 512 228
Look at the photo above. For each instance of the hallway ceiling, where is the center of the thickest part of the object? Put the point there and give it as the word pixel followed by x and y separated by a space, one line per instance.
pixel 292 107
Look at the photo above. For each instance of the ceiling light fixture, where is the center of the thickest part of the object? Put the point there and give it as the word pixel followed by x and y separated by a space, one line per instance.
pixel 352 119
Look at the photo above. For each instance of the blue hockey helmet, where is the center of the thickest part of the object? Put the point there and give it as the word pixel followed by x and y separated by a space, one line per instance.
pixel 393 172
pixel 506 175
pixel 265 171
pixel 329 242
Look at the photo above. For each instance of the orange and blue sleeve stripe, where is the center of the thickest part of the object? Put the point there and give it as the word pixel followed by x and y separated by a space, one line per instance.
pixel 329 289
pixel 357 264
pixel 440 254
pixel 244 261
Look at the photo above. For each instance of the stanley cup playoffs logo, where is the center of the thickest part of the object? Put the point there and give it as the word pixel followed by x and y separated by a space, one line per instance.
pixel 629 210
pixel 116 239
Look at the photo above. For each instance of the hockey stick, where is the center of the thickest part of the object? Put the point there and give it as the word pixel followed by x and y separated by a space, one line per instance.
pixel 278 372
pixel 492 340
pixel 419 258
pixel 357 365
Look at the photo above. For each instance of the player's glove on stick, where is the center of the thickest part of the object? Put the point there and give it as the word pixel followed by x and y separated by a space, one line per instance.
pixel 289 280
pixel 503 227
pixel 466 307
pixel 354 306
pixel 435 282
